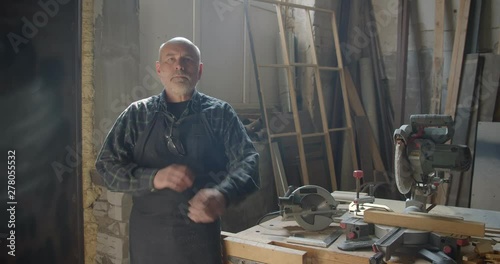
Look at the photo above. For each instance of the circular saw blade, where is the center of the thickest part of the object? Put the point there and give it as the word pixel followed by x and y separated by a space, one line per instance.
pixel 402 169
pixel 318 221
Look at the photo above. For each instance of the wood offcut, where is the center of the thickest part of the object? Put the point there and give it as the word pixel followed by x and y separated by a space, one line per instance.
pixel 426 223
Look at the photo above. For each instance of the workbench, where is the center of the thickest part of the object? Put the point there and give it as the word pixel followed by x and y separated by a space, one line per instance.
pixel 266 243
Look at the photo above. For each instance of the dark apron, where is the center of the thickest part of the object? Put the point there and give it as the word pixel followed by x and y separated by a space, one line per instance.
pixel 160 231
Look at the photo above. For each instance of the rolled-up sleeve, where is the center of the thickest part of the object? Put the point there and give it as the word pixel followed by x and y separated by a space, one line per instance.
pixel 243 160
pixel 115 160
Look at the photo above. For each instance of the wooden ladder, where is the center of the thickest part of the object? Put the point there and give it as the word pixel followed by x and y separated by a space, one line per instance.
pixel 325 133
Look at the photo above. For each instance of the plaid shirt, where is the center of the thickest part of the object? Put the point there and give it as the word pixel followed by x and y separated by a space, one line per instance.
pixel 115 160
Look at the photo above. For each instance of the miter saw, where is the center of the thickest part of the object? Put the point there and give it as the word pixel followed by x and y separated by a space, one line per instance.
pixel 312 207
pixel 421 157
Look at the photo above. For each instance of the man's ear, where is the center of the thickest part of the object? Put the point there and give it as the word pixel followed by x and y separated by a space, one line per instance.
pixel 157 67
pixel 200 70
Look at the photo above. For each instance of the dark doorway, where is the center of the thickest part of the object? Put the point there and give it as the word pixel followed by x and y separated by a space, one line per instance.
pixel 40 98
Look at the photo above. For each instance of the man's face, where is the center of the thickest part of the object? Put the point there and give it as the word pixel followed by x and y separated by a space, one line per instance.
pixel 179 68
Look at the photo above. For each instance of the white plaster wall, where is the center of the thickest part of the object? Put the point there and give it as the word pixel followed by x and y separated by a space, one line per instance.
pixel 218 28
pixel 264 26
pixel 160 21
pixel 386 17
pixel 222 50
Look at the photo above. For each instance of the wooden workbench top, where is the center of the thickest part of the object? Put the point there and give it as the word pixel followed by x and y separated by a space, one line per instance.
pixel 275 232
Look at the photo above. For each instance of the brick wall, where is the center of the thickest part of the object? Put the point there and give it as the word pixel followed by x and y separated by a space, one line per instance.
pixel 112 211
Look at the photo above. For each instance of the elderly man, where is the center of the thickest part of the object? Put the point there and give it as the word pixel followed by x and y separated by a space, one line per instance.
pixel 185 157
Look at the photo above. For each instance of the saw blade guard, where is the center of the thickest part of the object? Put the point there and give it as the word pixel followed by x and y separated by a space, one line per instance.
pixel 312 207
pixel 402 169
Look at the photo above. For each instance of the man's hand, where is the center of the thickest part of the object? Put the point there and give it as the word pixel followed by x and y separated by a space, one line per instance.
pixel 206 206
pixel 176 177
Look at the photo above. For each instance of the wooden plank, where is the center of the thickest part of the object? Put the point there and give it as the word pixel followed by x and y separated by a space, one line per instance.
pixel 254 59
pixel 454 78
pixel 261 252
pixel 362 129
pixel 490 82
pixel 224 234
pixel 468 90
pixel 438 58
pixel 384 103
pixel 322 107
pixel 262 103
pixel 343 87
pixel 457 58
pixel 317 255
pixel 297 64
pixel 471 45
pixel 402 54
pixel 280 179
pixel 288 4
pixel 275 232
pixel 490 218
pixel 288 66
pixel 293 98
pixel 358 109
pixel 425 223
pixel 414 79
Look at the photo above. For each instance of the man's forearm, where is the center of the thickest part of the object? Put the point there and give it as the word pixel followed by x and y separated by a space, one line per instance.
pixel 128 178
pixel 242 179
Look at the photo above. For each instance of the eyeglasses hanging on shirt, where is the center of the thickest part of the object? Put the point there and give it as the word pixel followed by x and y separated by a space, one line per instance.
pixel 174 145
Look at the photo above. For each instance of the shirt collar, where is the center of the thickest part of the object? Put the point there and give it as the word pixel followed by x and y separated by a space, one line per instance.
pixel 193 104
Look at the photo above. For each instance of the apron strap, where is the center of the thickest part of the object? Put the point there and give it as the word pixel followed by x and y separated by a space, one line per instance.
pixel 214 140
pixel 140 145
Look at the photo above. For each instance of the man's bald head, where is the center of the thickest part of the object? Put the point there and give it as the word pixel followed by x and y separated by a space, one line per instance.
pixel 182 41
pixel 179 68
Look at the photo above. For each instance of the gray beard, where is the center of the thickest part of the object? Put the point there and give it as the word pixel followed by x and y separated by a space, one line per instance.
pixel 181 90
